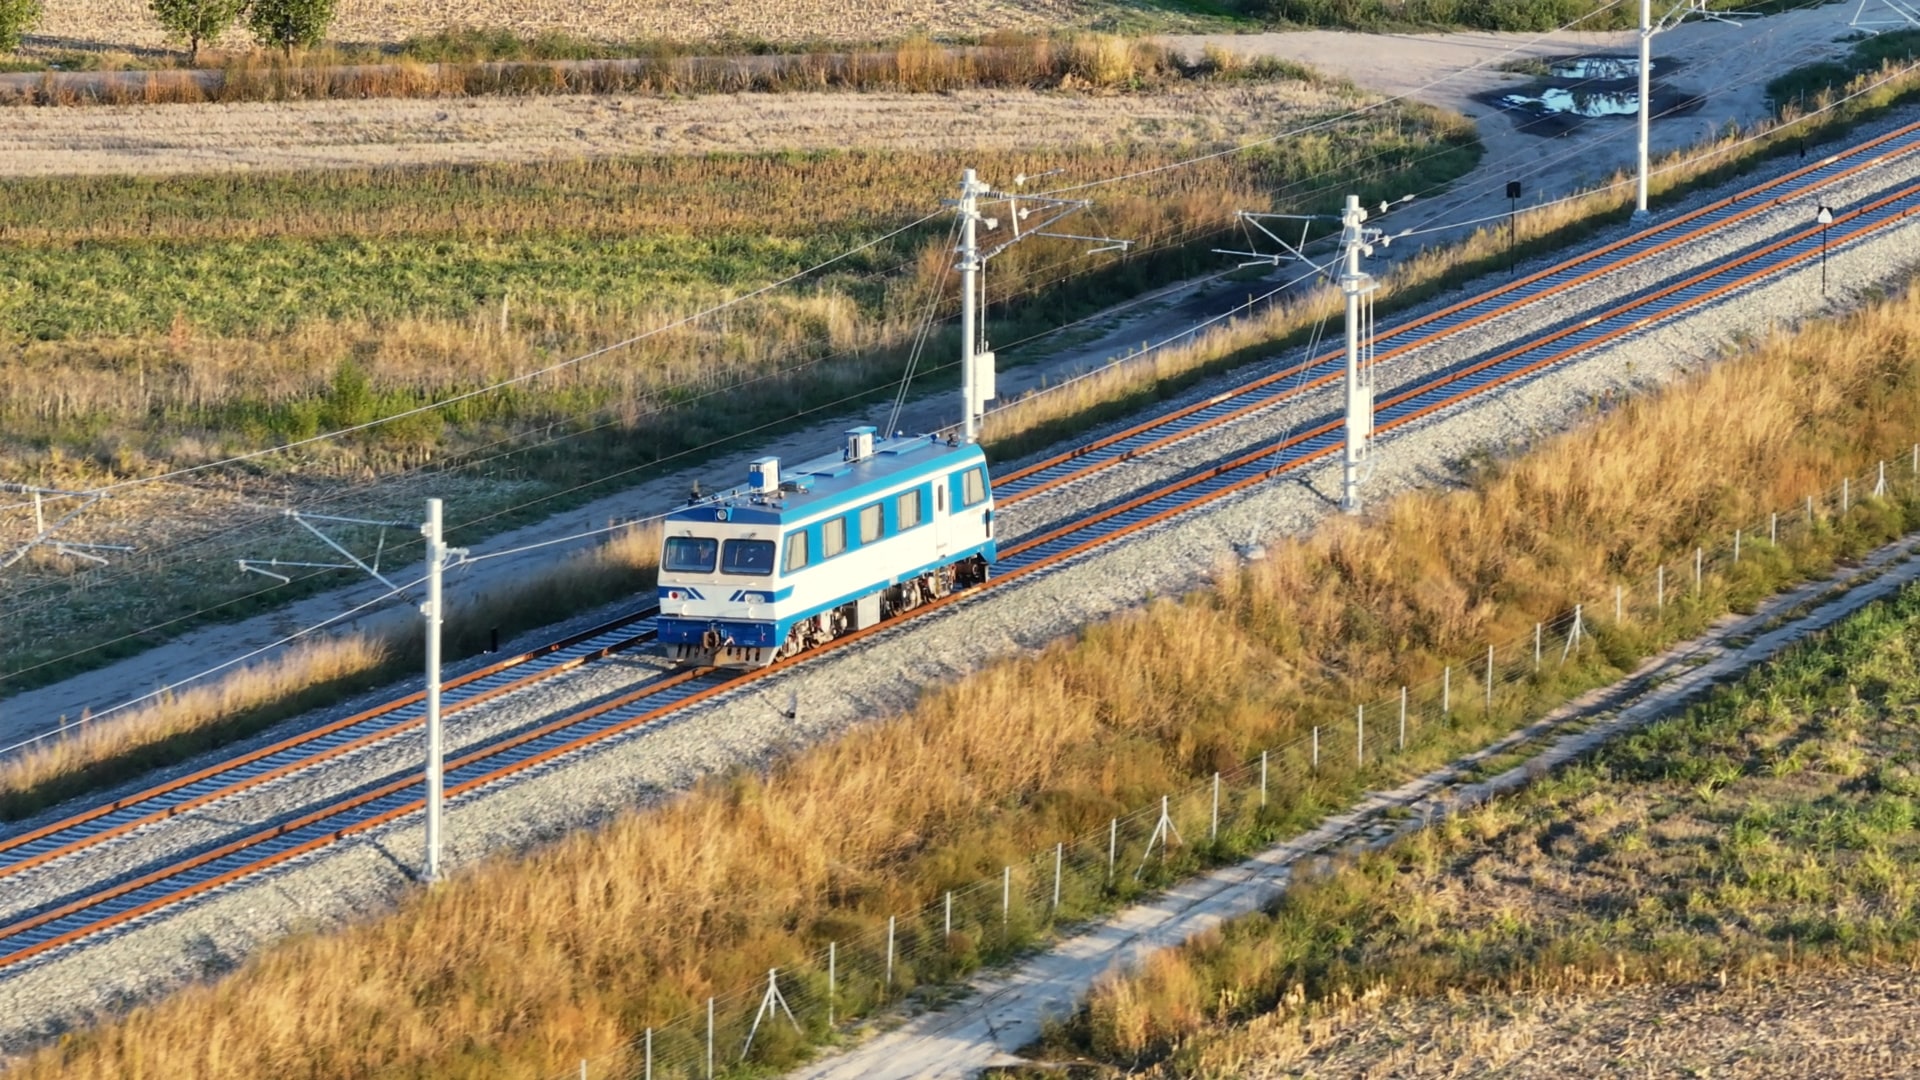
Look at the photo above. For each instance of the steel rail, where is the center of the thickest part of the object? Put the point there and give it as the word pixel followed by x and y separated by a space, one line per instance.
pixel 1429 329
pixel 1447 389
pixel 383 721
pixel 391 801
pixel 121 816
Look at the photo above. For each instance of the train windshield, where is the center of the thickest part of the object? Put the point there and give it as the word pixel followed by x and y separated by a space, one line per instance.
pixel 747 557
pixel 689 555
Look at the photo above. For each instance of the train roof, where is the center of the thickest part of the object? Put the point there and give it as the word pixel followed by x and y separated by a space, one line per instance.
pixel 832 481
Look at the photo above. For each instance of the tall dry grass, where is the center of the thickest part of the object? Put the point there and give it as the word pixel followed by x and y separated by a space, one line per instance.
pixel 527 963
pixel 89 753
pixel 1101 61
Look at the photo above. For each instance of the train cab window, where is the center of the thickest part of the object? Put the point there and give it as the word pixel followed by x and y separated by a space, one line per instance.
pixel 796 552
pixel 747 557
pixel 908 510
pixel 833 537
pixel 689 555
pixel 870 523
pixel 973 487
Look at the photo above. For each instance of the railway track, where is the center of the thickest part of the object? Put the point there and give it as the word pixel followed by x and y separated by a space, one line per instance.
pixel 73 918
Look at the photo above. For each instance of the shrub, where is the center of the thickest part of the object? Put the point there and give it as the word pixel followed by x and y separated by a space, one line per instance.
pixel 15 17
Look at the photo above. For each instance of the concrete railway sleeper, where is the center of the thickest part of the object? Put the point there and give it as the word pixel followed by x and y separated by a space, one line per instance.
pixel 205 870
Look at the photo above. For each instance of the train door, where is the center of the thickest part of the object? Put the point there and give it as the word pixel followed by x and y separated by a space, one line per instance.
pixel 942 520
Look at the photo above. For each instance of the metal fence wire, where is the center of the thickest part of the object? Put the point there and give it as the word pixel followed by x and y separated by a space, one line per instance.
pixel 1215 821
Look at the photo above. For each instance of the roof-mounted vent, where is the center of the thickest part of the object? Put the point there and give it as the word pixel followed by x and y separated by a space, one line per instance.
pixel 763 476
pixel 859 443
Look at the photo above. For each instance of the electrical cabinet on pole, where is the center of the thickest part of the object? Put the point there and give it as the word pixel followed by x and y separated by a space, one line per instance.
pixel 1357 286
pixel 976 361
pixel 433 610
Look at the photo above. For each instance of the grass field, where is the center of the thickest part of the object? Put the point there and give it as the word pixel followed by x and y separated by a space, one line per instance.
pixel 568 952
pixel 169 322
pixel 1764 838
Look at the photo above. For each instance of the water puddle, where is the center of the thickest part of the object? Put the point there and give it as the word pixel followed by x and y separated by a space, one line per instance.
pixel 1556 101
pixel 1597 67
pixel 1571 90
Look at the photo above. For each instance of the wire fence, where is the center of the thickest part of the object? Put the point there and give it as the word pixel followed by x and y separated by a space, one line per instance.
pixel 1222 818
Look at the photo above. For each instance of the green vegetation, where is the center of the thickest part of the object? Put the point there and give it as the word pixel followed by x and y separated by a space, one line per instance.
pixel 196 21
pixel 16 17
pixel 573 950
pixel 1772 828
pixel 1515 15
pixel 1880 52
pixel 161 322
pixel 289 24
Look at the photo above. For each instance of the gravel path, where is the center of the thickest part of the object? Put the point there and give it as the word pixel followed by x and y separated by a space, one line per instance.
pixel 746 727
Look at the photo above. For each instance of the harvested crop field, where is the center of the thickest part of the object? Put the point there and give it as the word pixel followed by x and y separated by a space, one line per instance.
pixel 130 23
pixel 160 139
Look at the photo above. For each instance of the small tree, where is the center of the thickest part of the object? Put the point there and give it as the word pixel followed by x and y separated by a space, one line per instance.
pixel 284 24
pixel 15 17
pixel 195 21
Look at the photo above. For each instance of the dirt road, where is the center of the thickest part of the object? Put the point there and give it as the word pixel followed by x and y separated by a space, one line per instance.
pixel 152 139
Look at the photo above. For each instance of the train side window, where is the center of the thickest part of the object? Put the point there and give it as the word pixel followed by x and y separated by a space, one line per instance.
pixel 871 523
pixel 796 551
pixel 940 498
pixel 908 508
pixel 973 487
pixel 833 537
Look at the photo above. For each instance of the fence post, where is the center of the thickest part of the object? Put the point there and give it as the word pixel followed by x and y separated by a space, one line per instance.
pixel 1446 691
pixel 1360 736
pixel 1880 485
pixel 1660 587
pixel 1489 680
pixel 1618 610
pixel 1316 748
pixel 1736 547
pixel 1916 459
pixel 1263 779
pixel 833 984
pixel 1213 830
pixel 1536 646
pixel 709 1039
pixel 949 921
pixel 1773 528
pixel 1846 493
pixel 1698 560
pixel 1059 849
pixel 1403 717
pixel 1809 509
pixel 583 1069
pixel 648 1073
pixel 890 919
pixel 1113 846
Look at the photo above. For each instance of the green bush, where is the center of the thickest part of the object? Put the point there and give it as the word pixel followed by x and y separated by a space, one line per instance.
pixel 16 16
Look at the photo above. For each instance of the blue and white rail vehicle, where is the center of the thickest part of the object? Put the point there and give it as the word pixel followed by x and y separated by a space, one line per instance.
pixel 832 546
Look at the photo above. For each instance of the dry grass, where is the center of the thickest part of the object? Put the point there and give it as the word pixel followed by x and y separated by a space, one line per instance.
pixel 170 323
pixel 1083 61
pixel 178 725
pixel 1044 414
pixel 128 22
pixel 531 962
pixel 1764 838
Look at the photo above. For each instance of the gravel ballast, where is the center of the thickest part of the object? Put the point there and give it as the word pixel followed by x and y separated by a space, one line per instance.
pixel 749 726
